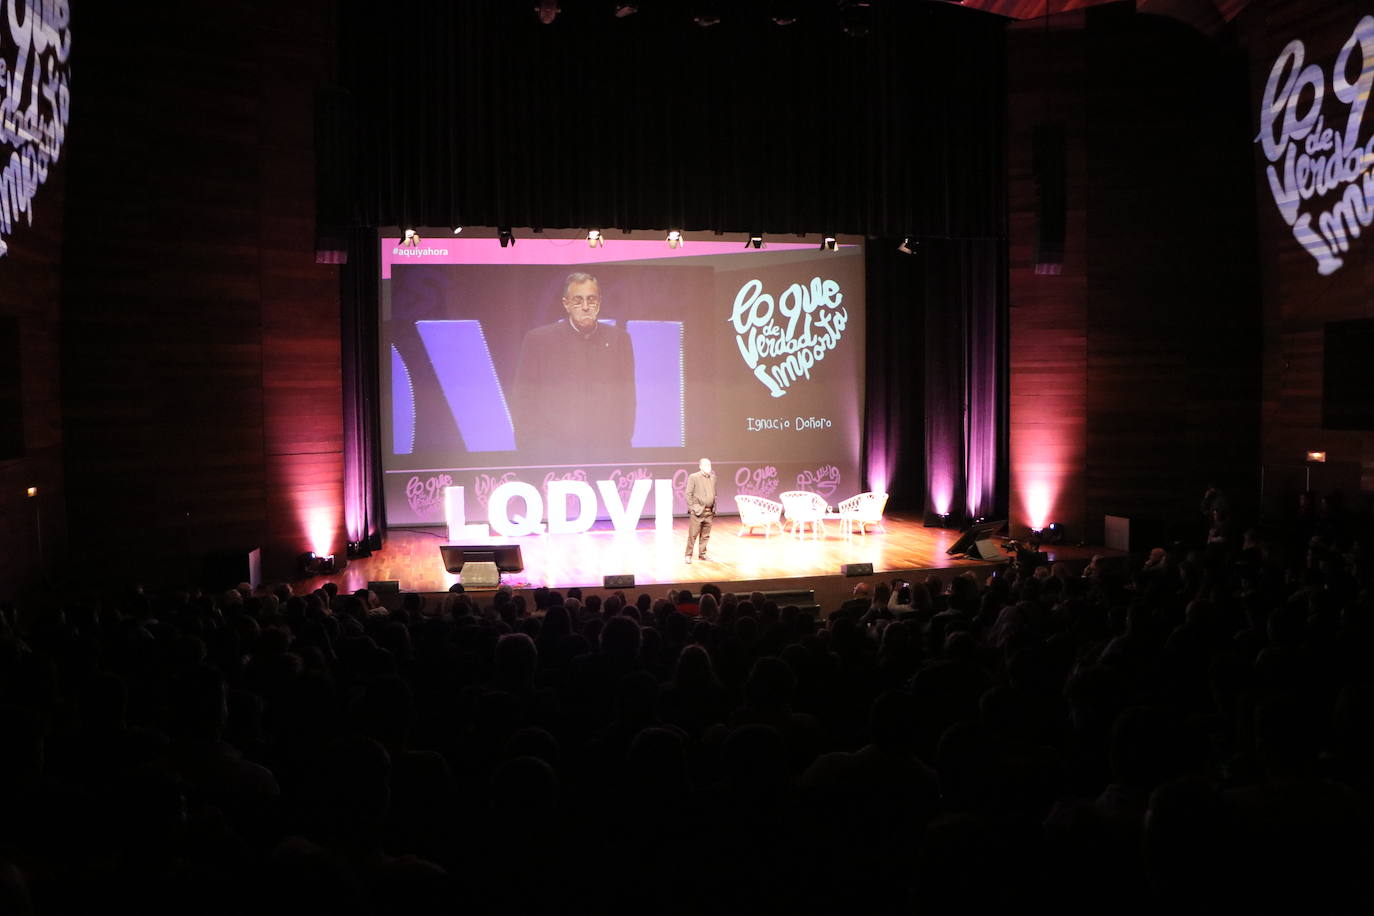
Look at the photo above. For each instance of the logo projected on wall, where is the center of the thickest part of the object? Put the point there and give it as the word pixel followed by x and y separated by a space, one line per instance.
pixel 782 341
pixel 35 42
pixel 1321 173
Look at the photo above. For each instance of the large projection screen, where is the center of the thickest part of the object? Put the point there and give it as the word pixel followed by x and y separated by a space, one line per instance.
pixel 552 360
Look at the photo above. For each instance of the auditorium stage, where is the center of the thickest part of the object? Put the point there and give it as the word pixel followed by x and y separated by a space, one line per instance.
pixel 903 546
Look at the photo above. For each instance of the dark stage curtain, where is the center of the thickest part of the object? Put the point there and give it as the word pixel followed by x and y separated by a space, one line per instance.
pixel 894 377
pixel 364 513
pixel 965 298
pixel 474 113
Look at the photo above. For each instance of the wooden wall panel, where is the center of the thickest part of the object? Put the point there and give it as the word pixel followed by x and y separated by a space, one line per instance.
pixel 1048 324
pixel 1298 301
pixel 301 374
pixel 201 341
pixel 30 290
pixel 1135 372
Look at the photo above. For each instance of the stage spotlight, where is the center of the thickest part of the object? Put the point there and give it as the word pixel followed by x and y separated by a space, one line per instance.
pixel 854 17
pixel 547 11
pixel 783 12
pixel 907 246
pixel 625 9
pixel 1317 457
pixel 312 564
pixel 506 236
pixel 675 239
pixel 1053 533
pixel 706 14
pixel 594 239
pixel 457 230
pixel 755 241
pixel 32 491
pixel 828 243
pixel 412 239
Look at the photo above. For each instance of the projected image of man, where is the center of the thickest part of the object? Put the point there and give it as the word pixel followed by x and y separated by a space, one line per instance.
pixel 575 385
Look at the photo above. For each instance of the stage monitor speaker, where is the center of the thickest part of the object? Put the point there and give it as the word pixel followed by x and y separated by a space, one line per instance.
pixel 857 569
pixel 482 574
pixel 618 582
pixel 972 535
pixel 385 586
pixel 507 557
pixel 985 549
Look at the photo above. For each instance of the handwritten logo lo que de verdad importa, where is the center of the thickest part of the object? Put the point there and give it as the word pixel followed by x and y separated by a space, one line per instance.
pixel 782 340
pixel 1321 177
pixel 35 104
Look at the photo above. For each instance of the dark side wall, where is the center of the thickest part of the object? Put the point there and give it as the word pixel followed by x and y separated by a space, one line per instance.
pixel 1135 368
pixel 200 341
pixel 1301 300
pixel 32 530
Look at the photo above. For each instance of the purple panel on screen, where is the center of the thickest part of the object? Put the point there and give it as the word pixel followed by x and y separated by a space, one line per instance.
pixel 402 406
pixel 658 383
pixel 462 362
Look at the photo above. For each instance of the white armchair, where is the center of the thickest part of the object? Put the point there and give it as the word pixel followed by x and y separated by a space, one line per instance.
pixel 804 508
pixel 757 512
pixel 862 510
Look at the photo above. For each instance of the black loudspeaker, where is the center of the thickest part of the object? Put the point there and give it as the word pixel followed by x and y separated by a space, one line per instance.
pixel 857 569
pixel 385 586
pixel 1048 156
pixel 619 582
pixel 335 174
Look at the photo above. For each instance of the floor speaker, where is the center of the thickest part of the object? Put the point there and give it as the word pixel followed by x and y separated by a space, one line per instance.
pixel 480 575
pixel 618 582
pixel 986 549
pixel 856 569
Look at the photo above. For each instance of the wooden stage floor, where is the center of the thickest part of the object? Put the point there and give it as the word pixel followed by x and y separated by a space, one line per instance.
pixel 750 561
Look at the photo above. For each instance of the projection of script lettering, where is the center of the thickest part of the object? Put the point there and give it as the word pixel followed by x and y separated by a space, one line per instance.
pixel 624 514
pixel 1309 160
pixel 34 48
pixel 780 355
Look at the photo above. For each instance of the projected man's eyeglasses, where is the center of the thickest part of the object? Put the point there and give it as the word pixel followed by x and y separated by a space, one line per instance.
pixel 588 302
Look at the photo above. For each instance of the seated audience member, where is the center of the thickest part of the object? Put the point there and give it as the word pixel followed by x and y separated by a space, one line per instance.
pixel 686 604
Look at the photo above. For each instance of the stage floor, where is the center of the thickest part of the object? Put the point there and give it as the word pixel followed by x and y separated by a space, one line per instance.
pixel 903 545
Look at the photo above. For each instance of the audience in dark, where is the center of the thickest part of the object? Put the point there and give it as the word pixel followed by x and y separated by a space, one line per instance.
pixel 1192 732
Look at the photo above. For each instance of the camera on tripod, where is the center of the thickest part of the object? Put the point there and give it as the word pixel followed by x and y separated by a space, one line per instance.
pixel 1024 555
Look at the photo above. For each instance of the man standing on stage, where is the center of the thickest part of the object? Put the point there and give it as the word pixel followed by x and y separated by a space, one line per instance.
pixel 701 505
pixel 575 384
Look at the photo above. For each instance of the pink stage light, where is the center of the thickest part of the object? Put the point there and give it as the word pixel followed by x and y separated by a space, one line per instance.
pixel 320 525
pixel 877 475
pixel 941 493
pixel 1038 499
